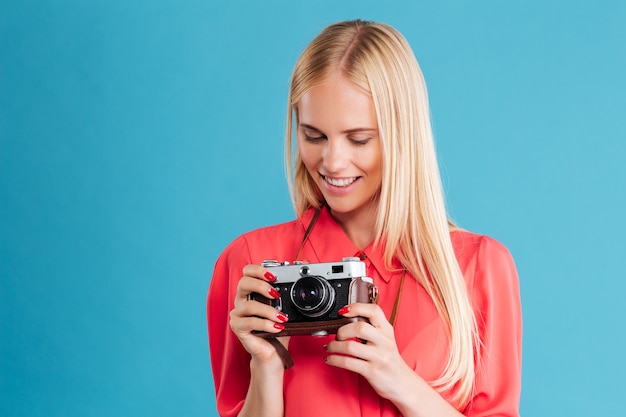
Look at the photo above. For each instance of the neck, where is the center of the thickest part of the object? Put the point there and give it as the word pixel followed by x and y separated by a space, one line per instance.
pixel 360 227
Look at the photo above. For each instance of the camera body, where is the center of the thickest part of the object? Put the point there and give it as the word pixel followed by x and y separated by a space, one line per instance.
pixel 312 294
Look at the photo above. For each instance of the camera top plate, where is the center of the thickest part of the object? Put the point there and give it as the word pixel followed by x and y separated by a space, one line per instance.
pixel 349 267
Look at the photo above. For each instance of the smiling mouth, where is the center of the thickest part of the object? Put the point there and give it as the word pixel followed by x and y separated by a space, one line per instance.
pixel 339 182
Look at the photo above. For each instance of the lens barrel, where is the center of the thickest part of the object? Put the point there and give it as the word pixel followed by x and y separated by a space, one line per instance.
pixel 313 296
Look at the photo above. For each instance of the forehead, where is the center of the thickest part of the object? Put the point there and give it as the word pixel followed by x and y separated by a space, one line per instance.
pixel 337 102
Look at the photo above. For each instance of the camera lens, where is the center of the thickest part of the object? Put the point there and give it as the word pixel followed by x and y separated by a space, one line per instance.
pixel 313 296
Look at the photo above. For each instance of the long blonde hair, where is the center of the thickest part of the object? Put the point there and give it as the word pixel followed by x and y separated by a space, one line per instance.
pixel 411 219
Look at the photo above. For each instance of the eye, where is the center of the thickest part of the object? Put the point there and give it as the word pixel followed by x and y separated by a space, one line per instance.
pixel 312 136
pixel 314 139
pixel 360 141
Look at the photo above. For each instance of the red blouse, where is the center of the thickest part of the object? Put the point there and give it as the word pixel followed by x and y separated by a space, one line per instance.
pixel 313 388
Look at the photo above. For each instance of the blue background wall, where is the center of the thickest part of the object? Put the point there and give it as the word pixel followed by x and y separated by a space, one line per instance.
pixel 137 138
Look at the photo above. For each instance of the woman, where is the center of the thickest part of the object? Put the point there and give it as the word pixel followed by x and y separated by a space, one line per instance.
pixel 444 338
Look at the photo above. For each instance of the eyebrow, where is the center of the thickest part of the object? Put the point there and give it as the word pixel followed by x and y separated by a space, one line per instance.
pixel 348 131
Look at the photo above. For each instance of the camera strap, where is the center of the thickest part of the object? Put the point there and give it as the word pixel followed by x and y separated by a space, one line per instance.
pixel 283 353
pixel 308 231
pixel 396 304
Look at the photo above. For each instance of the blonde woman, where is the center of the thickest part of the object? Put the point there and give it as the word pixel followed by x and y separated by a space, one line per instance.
pixel 444 336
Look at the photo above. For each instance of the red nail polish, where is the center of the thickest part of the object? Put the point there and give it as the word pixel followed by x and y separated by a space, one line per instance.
pixel 282 316
pixel 269 276
pixel 343 310
pixel 279 326
pixel 274 293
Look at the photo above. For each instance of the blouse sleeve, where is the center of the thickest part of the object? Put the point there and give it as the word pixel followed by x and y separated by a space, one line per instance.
pixel 229 360
pixel 496 298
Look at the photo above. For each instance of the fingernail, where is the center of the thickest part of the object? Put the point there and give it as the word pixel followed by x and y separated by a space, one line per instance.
pixel 269 276
pixel 343 310
pixel 282 316
pixel 279 326
pixel 274 293
pixel 325 347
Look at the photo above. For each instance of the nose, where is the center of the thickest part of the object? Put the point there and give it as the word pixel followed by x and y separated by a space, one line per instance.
pixel 335 156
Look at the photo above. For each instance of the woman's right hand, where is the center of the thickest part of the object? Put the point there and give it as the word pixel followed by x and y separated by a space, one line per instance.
pixel 249 315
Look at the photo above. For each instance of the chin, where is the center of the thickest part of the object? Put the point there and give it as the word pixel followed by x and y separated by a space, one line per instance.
pixel 340 208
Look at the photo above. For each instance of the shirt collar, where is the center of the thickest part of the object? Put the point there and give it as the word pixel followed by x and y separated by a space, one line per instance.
pixel 328 242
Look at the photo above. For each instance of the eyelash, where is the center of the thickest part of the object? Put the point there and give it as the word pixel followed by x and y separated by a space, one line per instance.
pixel 317 139
pixel 360 142
pixel 314 139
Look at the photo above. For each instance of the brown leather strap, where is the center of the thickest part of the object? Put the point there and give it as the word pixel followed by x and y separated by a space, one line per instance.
pixel 396 304
pixel 322 328
pixel 307 233
pixel 283 353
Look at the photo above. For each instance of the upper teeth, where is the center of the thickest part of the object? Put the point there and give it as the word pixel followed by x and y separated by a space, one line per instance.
pixel 340 182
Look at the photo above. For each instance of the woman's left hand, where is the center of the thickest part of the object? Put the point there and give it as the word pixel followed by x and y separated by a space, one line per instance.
pixel 368 348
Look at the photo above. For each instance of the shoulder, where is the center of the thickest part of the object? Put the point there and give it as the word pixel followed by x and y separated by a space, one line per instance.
pixel 269 242
pixel 467 246
pixel 262 234
pixel 253 247
pixel 482 257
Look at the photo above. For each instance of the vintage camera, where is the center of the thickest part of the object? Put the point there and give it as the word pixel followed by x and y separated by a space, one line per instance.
pixel 311 294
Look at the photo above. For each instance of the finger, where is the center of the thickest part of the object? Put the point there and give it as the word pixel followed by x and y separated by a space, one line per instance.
pixel 254 308
pixel 375 356
pixel 243 326
pixel 372 312
pixel 258 271
pixel 350 363
pixel 360 331
pixel 248 285
pixel 353 348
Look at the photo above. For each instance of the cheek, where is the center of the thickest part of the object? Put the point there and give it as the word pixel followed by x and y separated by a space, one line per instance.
pixel 308 155
pixel 375 162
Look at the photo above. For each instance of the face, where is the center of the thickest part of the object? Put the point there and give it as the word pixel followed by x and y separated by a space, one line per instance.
pixel 338 141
